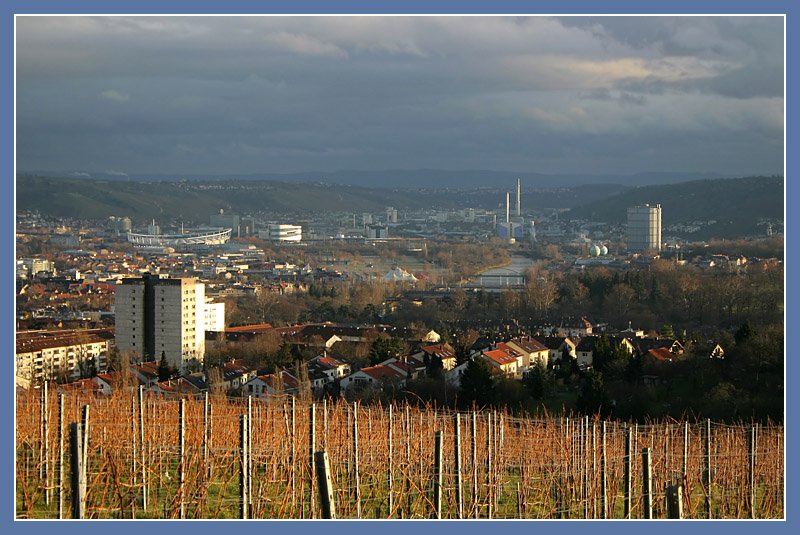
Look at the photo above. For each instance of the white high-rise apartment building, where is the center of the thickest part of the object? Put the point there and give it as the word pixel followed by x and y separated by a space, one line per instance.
pixel 157 314
pixel 644 228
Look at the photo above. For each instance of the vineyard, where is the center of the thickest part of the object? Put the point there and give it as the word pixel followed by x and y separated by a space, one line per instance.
pixel 133 455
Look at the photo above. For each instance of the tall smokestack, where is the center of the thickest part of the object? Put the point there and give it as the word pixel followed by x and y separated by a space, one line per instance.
pixel 508 206
pixel 518 192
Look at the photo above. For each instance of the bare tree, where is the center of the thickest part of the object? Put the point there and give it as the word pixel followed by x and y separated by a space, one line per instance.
pixel 216 384
pixel 618 300
pixel 304 392
pixel 541 290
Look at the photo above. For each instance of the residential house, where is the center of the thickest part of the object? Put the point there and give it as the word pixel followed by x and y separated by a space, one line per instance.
pixel 557 346
pixel 115 382
pixel 416 335
pixel 236 373
pixel 533 351
pixel 643 345
pixel 377 377
pixel 586 346
pixel 175 388
pixel 242 332
pixel 323 371
pixel 445 352
pixel 453 377
pixel 655 363
pixel 716 352
pixel 411 370
pixel 569 327
pixel 146 373
pixel 199 380
pixel 504 360
pixel 84 386
pixel 272 384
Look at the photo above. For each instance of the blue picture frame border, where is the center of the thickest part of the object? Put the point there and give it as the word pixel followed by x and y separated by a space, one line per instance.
pixel 9 8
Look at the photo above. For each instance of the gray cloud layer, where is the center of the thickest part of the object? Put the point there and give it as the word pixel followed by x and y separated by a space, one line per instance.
pixel 282 94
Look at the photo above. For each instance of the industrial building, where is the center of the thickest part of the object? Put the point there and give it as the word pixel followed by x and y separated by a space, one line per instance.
pixel 282 233
pixel 377 232
pixel 644 228
pixel 158 315
pixel 223 220
pixel 120 225
pixel 512 228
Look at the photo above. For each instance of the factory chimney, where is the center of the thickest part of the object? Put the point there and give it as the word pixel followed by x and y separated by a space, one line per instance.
pixel 518 193
pixel 508 206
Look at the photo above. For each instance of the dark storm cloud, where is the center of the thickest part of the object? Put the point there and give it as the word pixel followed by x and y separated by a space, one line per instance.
pixel 277 94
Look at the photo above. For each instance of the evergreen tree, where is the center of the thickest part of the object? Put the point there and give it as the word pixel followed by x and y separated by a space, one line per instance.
pixel 282 358
pixel 744 333
pixel 538 381
pixel 593 397
pixel 164 370
pixel 92 367
pixel 385 348
pixel 603 353
pixel 434 367
pixel 477 384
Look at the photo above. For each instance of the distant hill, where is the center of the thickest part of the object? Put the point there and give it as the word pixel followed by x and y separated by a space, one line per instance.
pixel 411 178
pixel 195 200
pixel 735 204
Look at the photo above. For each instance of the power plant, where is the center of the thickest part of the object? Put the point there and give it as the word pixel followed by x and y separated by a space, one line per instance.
pixel 512 228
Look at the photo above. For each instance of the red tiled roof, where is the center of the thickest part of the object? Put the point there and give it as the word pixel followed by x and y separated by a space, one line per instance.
pixel 531 345
pixel 258 327
pixel 500 356
pixel 443 351
pixel 508 349
pixel 289 381
pixel 115 378
pixel 403 367
pixel 146 369
pixel 329 362
pixel 382 371
pixel 177 385
pixel 661 354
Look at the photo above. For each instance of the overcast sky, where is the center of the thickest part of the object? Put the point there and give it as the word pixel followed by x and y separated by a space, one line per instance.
pixel 227 95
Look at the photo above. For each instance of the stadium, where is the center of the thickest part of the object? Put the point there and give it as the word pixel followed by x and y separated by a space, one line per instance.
pixel 212 236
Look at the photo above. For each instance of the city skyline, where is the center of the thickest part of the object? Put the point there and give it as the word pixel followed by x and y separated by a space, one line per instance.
pixel 228 95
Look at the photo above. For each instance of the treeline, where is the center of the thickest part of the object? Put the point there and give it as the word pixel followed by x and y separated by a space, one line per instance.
pixel 700 302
